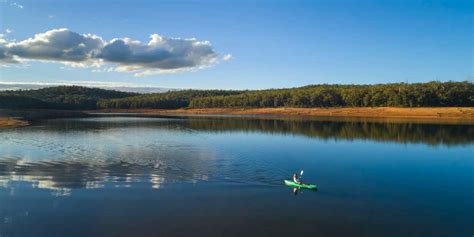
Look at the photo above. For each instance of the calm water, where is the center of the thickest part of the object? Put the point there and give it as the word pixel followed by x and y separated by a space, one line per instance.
pixel 129 176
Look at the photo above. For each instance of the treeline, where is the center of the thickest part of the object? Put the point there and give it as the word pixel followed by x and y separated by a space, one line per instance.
pixel 59 97
pixel 431 94
pixel 167 100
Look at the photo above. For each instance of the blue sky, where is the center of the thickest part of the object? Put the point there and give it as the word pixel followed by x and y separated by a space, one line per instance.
pixel 273 44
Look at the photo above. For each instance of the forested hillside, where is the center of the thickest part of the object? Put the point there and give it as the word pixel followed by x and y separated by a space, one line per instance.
pixel 22 102
pixel 59 97
pixel 432 94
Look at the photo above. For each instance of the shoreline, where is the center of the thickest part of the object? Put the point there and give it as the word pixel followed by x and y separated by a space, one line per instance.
pixel 438 113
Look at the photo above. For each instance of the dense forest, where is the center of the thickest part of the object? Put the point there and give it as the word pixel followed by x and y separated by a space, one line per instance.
pixel 8 101
pixel 431 94
pixel 167 100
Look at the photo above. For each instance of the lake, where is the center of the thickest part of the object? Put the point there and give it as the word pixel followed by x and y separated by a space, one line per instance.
pixel 222 176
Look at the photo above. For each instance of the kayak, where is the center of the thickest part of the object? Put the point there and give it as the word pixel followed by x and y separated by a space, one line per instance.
pixel 293 184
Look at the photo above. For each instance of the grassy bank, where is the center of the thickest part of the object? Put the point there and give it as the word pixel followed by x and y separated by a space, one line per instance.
pixel 463 113
pixel 12 122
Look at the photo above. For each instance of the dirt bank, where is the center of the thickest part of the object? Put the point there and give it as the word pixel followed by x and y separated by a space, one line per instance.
pixel 12 122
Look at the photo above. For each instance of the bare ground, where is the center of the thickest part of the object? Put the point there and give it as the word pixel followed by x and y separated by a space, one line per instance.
pixel 12 122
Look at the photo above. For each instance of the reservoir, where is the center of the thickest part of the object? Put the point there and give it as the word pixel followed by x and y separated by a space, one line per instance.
pixel 223 176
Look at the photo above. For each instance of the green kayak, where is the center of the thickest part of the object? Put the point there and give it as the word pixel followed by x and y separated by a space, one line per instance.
pixel 293 184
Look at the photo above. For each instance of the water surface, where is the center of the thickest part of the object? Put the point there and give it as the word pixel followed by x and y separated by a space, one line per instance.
pixel 135 176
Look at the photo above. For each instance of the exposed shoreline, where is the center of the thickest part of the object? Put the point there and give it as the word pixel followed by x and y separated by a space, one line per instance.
pixel 12 123
pixel 456 113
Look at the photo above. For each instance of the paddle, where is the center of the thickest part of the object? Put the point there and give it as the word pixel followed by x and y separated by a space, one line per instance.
pixel 301 176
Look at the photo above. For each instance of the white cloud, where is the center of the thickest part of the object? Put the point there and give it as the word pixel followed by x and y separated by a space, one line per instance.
pixel 15 4
pixel 3 41
pixel 50 16
pixel 60 45
pixel 158 55
pixel 227 57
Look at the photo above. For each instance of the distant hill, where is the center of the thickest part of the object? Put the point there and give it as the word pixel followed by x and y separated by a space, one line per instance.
pixel 9 86
pixel 59 97
pixel 76 97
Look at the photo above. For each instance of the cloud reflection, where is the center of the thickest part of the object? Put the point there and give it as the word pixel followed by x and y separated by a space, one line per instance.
pixel 61 178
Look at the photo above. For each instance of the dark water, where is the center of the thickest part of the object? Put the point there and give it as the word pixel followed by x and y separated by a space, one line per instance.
pixel 125 176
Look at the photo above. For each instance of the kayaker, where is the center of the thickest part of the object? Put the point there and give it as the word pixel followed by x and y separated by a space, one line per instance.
pixel 295 179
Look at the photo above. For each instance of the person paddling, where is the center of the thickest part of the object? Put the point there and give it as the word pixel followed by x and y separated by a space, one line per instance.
pixel 297 182
pixel 296 179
